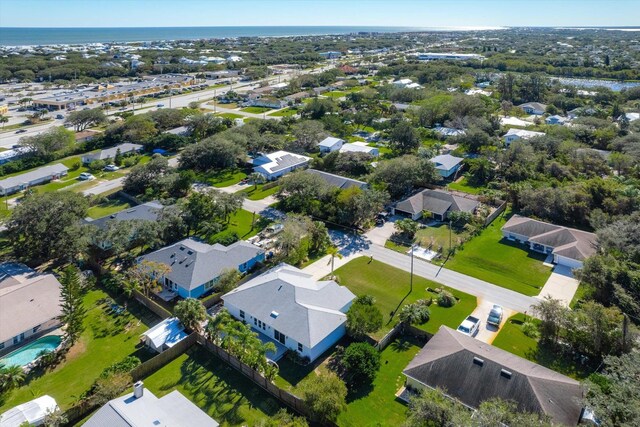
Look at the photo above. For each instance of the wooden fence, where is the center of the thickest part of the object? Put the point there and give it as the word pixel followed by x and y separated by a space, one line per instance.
pixel 162 312
pixel 390 336
pixel 156 362
pixel 290 400
pixel 495 214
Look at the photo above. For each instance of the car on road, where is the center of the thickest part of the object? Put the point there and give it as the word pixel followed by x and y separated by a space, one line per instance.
pixel 469 326
pixel 59 116
pixel 21 131
pixel 495 316
pixel 160 105
pixel 111 168
pixel 85 176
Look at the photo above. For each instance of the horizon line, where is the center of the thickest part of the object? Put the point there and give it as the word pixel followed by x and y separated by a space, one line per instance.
pixel 336 26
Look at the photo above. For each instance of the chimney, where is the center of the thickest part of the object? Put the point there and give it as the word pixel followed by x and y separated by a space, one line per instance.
pixel 138 389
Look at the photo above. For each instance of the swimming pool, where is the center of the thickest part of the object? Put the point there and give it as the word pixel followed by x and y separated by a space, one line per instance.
pixel 27 354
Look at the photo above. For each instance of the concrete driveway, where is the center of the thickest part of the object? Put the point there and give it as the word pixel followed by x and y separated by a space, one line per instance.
pixel 488 333
pixel 560 285
pixel 380 234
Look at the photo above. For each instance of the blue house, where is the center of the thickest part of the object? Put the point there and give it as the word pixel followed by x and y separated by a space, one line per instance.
pixel 447 165
pixel 196 266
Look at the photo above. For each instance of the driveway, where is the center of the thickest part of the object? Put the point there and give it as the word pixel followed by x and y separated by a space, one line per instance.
pixel 488 333
pixel 103 187
pixel 379 235
pixel 560 285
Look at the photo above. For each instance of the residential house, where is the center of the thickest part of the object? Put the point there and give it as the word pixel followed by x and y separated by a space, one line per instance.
pixel 32 413
pixel 556 120
pixel 274 165
pixel 110 153
pixel 338 181
pixel 85 135
pixel 293 309
pixel 164 335
pixel 266 102
pixel 447 132
pixel 149 211
pixel 29 304
pixel 446 164
pixel 471 372
pixel 12 154
pixel 29 179
pixel 535 108
pixel 438 203
pixel 297 97
pixel 142 409
pixel 406 84
pixel 569 247
pixel 180 131
pixel 330 144
pixel 632 117
pixel 359 147
pixel 581 111
pixel 516 134
pixel 195 266
pixel 330 55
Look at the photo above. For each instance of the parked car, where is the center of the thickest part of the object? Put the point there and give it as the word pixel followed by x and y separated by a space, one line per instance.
pixel 59 116
pixel 160 105
pixel 111 168
pixel 382 217
pixel 21 131
pixel 470 326
pixel 495 316
pixel 85 176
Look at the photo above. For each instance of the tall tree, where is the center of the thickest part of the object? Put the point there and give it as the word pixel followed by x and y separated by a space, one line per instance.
pixel 325 396
pixel 191 313
pixel 82 119
pixel 73 311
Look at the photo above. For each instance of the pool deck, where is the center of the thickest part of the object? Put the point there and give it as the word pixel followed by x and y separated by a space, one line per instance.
pixel 26 342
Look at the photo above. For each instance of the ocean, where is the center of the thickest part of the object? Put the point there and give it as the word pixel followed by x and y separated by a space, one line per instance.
pixel 49 36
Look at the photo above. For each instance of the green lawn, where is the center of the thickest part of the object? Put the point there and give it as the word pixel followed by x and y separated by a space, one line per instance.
pixel 335 94
pixel 225 394
pixel 107 339
pixel 438 237
pixel 287 112
pixel 499 261
pixel 259 193
pixel 512 339
pixel 256 110
pixel 230 116
pixel 240 222
pixel 109 207
pixel 226 177
pixel 377 405
pixel 390 287
pixel 464 186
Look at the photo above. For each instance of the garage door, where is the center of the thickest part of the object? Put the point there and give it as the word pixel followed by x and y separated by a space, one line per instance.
pixel 571 263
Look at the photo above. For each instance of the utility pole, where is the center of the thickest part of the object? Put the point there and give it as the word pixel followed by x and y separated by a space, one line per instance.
pixel 214 100
pixel 450 222
pixel 411 275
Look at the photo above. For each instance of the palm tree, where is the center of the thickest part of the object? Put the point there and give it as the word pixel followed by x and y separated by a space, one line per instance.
pixel 217 325
pixel 415 314
pixel 12 377
pixel 3 120
pixel 257 178
pixel 190 312
pixel 333 252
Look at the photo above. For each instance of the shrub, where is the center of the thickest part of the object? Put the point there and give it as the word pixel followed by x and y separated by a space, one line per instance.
pixel 361 361
pixel 226 238
pixel 446 299
pixel 530 329
pixel 124 366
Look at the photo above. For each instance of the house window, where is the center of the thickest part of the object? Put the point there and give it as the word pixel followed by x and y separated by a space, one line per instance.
pixel 241 314
pixel 208 285
pixel 279 336
pixel 36 329
pixel 255 321
pixel 1 345
pixel 300 347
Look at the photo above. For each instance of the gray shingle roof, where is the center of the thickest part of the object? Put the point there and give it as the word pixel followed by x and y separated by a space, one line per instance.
pixel 279 160
pixel 194 263
pixel 27 178
pixel 337 180
pixel 110 153
pixel 446 161
pixel 27 299
pixel 149 211
pixel 568 242
pixel 171 410
pixel 472 372
pixel 307 310
pixel 329 142
pixel 436 201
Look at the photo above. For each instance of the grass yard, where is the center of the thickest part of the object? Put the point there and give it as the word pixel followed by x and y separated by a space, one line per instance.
pixel 226 177
pixel 390 287
pixel 109 207
pixel 512 339
pixel 335 94
pixel 464 186
pixel 240 222
pixel 438 236
pixel 260 192
pixel 496 260
pixel 287 112
pixel 230 106
pixel 256 110
pixel 231 116
pixel 225 394
pixel 107 339
pixel 377 405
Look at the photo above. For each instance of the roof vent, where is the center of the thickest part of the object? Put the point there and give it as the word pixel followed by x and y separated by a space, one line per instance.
pixel 478 361
pixel 505 374
pixel 275 314
pixel 190 252
pixel 182 248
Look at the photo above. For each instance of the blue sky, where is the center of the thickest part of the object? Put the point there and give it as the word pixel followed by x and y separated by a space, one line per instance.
pixel 414 13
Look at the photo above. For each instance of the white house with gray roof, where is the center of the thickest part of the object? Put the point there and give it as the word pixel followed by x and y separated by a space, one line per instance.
pixel 338 181
pixel 330 144
pixel 279 163
pixel 196 266
pixel 517 134
pixel 437 203
pixel 29 179
pixel 293 309
pixel 446 164
pixel 110 153
pixel 142 408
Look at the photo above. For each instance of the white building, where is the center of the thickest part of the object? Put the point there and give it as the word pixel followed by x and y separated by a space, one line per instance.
pixel 274 165
pixel 164 335
pixel 362 147
pixel 31 413
pixel 516 134
pixel 330 144
pixel 291 308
